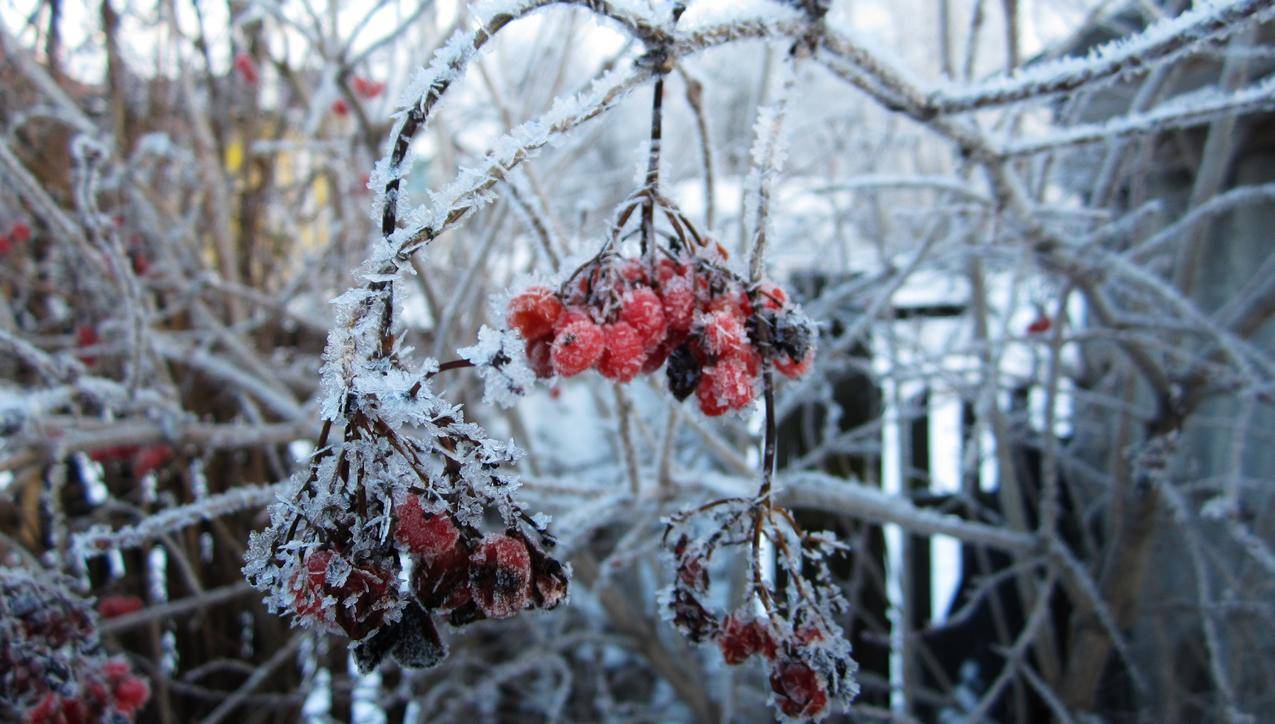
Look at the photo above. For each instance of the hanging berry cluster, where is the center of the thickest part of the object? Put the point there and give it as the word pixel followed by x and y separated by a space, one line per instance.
pixel 790 626
pixel 52 666
pixel 410 492
pixel 672 308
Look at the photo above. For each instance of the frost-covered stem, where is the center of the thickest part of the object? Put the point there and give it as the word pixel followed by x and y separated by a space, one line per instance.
pixel 1168 116
pixel 173 609
pixel 258 677
pixel 651 184
pixel 1049 496
pixel 664 471
pixel 767 157
pixel 1160 43
pixel 623 409
pixel 837 495
pixel 1208 607
pixel 695 99
pixel 1014 656
pixel 537 222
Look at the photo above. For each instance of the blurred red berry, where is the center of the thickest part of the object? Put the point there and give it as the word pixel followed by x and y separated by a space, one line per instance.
pixel 540 356
pixel 6 244
pixel 114 605
pixel 20 232
pixel 1039 325
pixel 533 312
pixel 247 68
pixel 792 369
pixel 367 88
pixel 86 336
pixel 340 107
pixel 623 354
pixel 577 347
pixel 150 458
pixel 131 694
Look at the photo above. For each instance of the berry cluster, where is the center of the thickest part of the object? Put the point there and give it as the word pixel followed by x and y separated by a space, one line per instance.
pixel 381 499
pixel 791 629
pixel 624 317
pixel 52 668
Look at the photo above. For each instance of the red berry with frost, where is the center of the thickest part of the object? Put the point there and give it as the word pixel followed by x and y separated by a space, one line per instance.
pixel 644 311
pixel 428 535
pixel 500 576
pixel 116 605
pixel 20 233
pixel 677 297
pixel 799 690
pixel 725 386
pixel 577 347
pixel 624 353
pixel 443 582
pixel 751 360
pixel 723 333
pixel 533 312
pixel 655 358
pixel 792 369
pixel 738 639
pixel 571 315
pixel 540 356
pixel 633 270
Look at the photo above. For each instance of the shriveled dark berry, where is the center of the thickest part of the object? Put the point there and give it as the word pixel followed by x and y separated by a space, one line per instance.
pixel 417 645
pixel 683 370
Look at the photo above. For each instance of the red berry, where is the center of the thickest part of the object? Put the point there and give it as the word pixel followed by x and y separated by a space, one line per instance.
pixel 739 639
pixel 678 300
pixel 367 88
pixel 117 605
pixel 1040 325
pixel 540 356
pixel 340 107
pixel 723 333
pixel 86 336
pixel 6 245
pixel 656 357
pixel 149 458
pixel 428 535
pixel 751 359
pixel 792 369
pixel 247 68
pixel 633 270
pixel 500 576
pixel 725 386
pixel 20 233
pixel 622 359
pixel 131 694
pixel 533 312
pixel 772 295
pixel 644 311
pixel 577 347
pixel 799 691
pixel 571 315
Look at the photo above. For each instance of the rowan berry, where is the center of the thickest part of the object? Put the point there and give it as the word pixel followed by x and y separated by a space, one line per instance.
pixel 533 312
pixel 577 347
pixel 500 576
pixel 624 352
